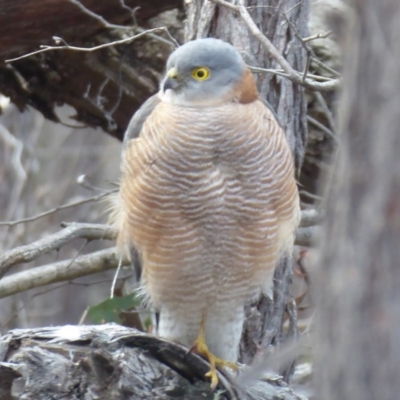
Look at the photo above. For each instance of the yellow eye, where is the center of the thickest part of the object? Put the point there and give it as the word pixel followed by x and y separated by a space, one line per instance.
pixel 201 73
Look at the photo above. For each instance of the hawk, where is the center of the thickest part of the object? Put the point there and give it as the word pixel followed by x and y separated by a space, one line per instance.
pixel 208 198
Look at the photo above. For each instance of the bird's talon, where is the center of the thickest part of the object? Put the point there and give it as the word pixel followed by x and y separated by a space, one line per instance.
pixel 212 374
pixel 200 347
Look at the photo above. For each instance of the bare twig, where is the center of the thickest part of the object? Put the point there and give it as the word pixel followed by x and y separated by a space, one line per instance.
pixel 56 209
pixel 326 110
pixel 84 265
pixel 280 72
pixel 322 127
pixel 317 36
pixel 45 48
pixel 293 75
pixel 98 17
pixel 310 195
pixel 306 68
pixel 30 252
pixel 294 6
pixel 109 25
pixel 114 281
pixel 310 52
pixel 83 181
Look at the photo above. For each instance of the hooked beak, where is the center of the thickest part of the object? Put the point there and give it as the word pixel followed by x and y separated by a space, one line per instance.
pixel 171 81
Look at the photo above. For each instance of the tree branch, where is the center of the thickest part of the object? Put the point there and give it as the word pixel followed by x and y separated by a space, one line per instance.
pixel 55 209
pixel 293 75
pixel 49 243
pixel 66 46
pixel 94 262
pixel 64 270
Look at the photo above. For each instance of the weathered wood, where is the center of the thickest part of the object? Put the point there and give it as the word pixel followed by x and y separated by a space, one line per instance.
pixel 24 24
pixel 358 283
pixel 113 362
pixel 93 83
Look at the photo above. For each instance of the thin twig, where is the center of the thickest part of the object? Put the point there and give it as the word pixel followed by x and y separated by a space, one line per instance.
pixel 292 74
pixel 317 36
pixel 30 252
pixel 295 6
pixel 326 110
pixel 81 284
pixel 56 209
pixel 306 68
pixel 309 50
pixel 82 180
pixel 98 17
pixel 323 128
pixel 109 25
pixel 115 278
pixel 45 48
pixel 310 196
pixel 281 73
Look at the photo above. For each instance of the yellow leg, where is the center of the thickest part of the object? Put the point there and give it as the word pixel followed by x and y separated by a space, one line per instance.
pixel 200 347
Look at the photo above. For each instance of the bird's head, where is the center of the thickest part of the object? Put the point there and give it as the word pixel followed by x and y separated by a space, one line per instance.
pixel 206 72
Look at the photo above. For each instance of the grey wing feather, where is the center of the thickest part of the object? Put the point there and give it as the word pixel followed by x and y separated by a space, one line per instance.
pixel 137 121
pixel 136 264
pixel 133 131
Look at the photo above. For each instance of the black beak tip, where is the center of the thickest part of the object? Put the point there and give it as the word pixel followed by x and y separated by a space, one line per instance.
pixel 166 86
pixel 169 83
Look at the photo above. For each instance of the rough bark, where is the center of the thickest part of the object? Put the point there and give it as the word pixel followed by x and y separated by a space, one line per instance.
pixel 264 325
pixel 358 285
pixel 113 362
pixel 285 98
pixel 105 87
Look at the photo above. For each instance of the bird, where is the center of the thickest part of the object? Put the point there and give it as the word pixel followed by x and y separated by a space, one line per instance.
pixel 208 199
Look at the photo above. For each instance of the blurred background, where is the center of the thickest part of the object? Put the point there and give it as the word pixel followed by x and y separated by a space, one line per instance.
pixel 40 162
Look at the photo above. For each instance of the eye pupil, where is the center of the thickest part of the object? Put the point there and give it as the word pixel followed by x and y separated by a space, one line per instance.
pixel 200 73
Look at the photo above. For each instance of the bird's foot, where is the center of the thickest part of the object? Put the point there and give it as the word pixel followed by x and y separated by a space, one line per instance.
pixel 200 347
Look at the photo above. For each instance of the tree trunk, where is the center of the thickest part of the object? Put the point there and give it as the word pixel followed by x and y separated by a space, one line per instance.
pixel 358 298
pixel 265 326
pixel 285 98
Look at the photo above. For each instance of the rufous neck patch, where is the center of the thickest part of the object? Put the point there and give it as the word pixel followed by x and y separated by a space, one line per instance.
pixel 246 90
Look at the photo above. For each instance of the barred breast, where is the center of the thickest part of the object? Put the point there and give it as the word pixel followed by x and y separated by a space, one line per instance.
pixel 209 200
